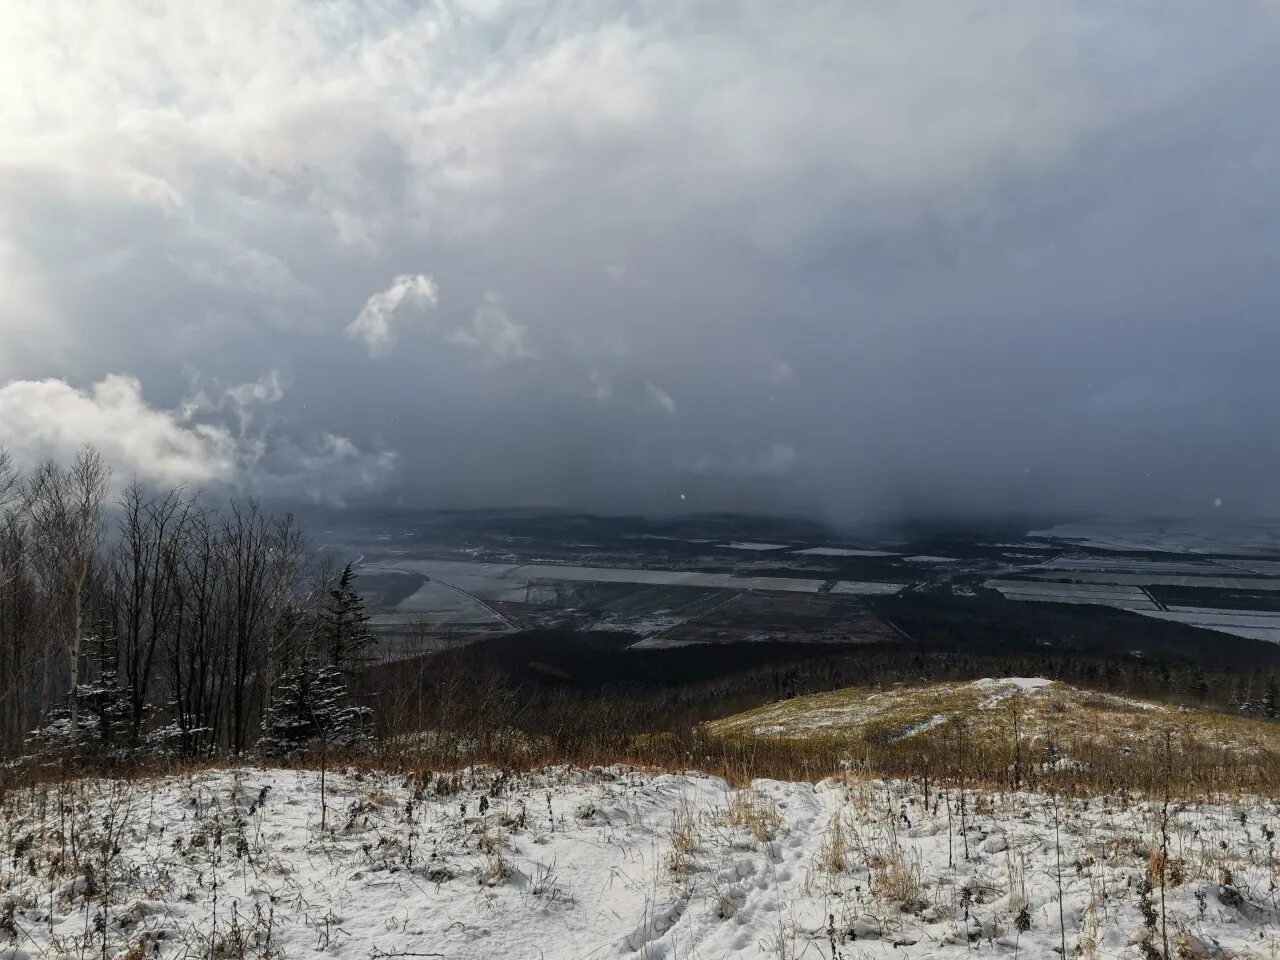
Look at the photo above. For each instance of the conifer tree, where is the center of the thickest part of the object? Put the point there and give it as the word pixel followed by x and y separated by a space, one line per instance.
pixel 344 635
pixel 104 704
pixel 311 706
pixel 93 722
pixel 311 701
pixel 1271 699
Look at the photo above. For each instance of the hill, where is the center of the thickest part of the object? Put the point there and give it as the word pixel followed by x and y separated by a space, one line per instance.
pixel 1017 729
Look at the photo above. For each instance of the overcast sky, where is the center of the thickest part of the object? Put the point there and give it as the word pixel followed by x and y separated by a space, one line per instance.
pixel 861 258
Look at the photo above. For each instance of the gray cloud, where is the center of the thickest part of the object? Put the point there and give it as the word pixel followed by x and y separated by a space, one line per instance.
pixel 494 334
pixel 959 257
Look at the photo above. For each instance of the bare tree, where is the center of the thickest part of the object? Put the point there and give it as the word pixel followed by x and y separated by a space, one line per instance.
pixel 173 610
pixel 263 557
pixel 16 602
pixel 147 566
pixel 195 651
pixel 12 509
pixel 66 513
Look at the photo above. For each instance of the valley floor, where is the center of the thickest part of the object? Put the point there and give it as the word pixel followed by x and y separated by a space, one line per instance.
pixel 620 863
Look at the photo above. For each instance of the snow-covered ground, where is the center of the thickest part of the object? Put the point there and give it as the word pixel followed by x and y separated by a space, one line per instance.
pixel 617 863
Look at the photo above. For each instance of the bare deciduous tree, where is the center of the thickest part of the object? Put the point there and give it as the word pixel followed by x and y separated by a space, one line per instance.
pixel 66 514
pixel 171 617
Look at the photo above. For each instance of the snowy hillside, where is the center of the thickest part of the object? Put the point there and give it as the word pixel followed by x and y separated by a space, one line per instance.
pixel 616 863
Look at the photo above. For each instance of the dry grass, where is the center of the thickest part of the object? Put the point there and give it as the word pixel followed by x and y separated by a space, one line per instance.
pixel 1092 739
pixel 897 880
pixel 833 852
pixel 1052 738
pixel 756 812
pixel 496 869
pixel 928 714
pixel 684 843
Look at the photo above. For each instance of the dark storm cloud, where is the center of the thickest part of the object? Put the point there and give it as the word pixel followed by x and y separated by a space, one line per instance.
pixel 864 260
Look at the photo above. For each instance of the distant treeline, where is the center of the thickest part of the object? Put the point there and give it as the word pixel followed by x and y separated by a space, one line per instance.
pixel 549 681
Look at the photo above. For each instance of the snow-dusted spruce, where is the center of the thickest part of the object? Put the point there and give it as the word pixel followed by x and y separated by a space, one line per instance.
pixel 618 863
pixel 310 702
pixel 96 720
pixel 344 637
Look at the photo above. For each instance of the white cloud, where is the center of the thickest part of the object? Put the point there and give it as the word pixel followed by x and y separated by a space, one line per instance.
pixel 207 440
pixel 493 333
pixel 51 418
pixel 375 324
pixel 659 398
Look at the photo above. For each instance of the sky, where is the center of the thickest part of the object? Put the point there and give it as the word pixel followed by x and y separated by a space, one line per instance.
pixel 856 259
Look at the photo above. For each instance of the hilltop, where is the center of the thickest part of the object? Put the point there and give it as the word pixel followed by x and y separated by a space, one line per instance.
pixel 1015 728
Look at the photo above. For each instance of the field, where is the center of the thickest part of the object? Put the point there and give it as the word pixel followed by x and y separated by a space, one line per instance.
pixel 438 578
pixel 1107 595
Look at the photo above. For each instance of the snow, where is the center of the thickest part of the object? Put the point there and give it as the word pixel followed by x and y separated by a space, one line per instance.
pixel 513 582
pixel 1270 567
pixel 622 623
pixel 844 552
pixel 660 641
pixel 1022 683
pixel 1214 568
pixel 924 726
pixel 1159 579
pixel 1007 687
pixel 744 545
pixel 1015 589
pixel 869 588
pixel 1243 539
pixel 1250 624
pixel 1123 597
pixel 612 863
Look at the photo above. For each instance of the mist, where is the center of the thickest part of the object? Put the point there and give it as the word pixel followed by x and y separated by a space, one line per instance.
pixel 861 262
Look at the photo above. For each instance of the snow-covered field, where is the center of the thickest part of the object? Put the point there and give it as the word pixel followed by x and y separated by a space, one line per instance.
pixel 1252 624
pixel 1123 597
pixel 617 863
pixel 1238 539
pixel 843 552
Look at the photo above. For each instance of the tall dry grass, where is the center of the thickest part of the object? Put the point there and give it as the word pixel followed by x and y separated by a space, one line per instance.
pixel 1199 772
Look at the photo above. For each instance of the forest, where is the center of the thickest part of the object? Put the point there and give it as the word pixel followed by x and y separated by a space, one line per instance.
pixel 138 621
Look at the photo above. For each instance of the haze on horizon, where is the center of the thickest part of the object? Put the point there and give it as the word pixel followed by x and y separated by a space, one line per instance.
pixel 859 260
